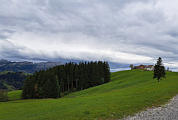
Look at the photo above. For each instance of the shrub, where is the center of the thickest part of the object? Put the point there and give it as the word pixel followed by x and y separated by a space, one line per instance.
pixel 3 96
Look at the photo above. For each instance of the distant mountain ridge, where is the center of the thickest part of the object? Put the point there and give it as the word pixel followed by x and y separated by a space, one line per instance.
pixel 27 67
pixel 30 67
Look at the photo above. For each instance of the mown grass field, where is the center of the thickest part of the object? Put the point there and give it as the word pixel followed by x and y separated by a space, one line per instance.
pixel 128 92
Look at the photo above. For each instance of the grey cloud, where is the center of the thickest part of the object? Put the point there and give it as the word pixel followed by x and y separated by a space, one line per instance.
pixel 4 33
pixel 173 34
pixel 89 29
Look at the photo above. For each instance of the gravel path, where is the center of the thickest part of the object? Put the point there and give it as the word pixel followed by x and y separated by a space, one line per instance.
pixel 166 112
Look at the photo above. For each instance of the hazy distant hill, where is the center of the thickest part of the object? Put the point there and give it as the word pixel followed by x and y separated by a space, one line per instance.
pixel 30 67
pixel 27 67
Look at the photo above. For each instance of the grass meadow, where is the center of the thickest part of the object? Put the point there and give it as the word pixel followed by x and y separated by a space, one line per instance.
pixel 128 92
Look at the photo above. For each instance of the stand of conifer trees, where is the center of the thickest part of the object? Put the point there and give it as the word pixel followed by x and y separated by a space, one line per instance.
pixel 63 79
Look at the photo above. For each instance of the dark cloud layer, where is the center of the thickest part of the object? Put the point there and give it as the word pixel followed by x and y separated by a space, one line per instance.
pixel 123 31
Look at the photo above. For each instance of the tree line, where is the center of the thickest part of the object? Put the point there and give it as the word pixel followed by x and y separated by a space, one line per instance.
pixel 60 80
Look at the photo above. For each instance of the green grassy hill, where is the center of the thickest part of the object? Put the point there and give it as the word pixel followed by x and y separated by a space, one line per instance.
pixel 14 95
pixel 128 92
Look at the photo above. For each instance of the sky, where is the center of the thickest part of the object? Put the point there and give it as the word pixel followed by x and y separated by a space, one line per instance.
pixel 121 31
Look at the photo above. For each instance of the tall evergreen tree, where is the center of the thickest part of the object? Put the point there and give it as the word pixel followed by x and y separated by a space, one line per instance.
pixel 159 70
pixel 28 88
pixel 76 76
pixel 51 88
pixel 107 74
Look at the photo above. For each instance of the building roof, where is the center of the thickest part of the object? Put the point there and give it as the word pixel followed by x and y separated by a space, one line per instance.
pixel 143 66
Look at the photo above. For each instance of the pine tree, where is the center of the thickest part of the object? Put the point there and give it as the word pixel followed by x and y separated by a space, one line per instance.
pixel 159 70
pixel 51 87
pixel 76 76
pixel 28 88
pixel 107 74
pixel 62 78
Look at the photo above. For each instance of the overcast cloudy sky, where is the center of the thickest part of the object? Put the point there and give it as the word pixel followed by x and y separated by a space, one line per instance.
pixel 123 31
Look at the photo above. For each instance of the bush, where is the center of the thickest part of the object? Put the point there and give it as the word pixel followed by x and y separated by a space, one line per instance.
pixel 3 96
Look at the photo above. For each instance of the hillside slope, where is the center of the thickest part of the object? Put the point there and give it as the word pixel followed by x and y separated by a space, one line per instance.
pixel 12 80
pixel 128 92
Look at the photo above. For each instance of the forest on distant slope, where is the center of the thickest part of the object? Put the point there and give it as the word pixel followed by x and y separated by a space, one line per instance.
pixel 12 80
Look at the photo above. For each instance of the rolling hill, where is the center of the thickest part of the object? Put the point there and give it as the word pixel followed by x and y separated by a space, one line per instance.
pixel 128 92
